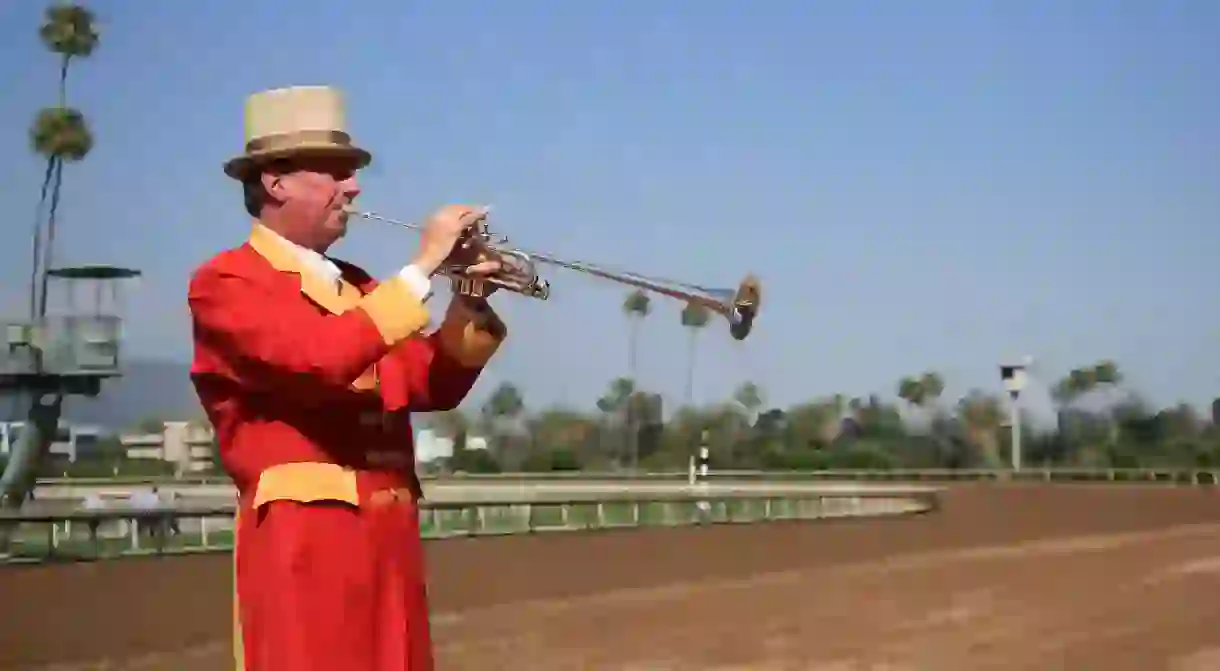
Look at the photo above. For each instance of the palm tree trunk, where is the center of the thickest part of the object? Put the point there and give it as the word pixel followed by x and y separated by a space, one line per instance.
pixel 63 80
pixel 49 252
pixel 37 237
pixel 632 447
pixel 53 163
pixel 633 339
pixel 690 368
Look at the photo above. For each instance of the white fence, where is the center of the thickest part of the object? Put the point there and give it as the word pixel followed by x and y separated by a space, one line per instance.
pixel 1192 475
pixel 213 489
pixel 76 533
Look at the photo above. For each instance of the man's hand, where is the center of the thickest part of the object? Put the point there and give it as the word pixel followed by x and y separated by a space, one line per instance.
pixel 478 265
pixel 442 234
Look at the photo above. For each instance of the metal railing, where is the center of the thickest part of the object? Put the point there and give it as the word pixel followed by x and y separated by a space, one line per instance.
pixel 1052 474
pixel 1195 476
pixel 83 534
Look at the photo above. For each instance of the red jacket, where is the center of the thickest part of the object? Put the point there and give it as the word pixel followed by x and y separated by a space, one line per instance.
pixel 309 386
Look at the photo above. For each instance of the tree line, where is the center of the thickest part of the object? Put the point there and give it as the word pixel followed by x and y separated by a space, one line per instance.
pixel 1101 423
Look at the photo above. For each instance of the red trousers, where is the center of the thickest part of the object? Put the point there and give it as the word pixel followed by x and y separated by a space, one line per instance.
pixel 327 586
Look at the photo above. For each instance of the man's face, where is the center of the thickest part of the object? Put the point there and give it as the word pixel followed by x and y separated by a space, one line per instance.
pixel 312 193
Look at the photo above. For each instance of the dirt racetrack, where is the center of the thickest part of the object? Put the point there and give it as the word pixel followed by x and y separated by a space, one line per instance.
pixel 1004 577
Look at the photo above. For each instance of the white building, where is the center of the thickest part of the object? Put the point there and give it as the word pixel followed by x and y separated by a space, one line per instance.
pixel 187 445
pixel 430 446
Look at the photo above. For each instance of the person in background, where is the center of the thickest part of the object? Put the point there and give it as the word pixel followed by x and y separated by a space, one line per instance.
pixel 146 500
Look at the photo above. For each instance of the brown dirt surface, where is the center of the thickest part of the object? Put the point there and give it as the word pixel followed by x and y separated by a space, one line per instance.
pixel 1003 577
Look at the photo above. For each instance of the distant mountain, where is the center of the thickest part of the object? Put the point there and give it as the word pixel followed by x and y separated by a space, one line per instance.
pixel 147 390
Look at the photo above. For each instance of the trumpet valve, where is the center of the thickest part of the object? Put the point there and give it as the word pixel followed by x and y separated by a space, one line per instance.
pixel 474 287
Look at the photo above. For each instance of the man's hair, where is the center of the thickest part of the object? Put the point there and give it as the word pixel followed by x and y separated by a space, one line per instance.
pixel 252 189
pixel 253 193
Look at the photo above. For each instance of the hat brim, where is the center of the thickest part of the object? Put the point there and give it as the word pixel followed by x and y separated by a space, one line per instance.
pixel 239 168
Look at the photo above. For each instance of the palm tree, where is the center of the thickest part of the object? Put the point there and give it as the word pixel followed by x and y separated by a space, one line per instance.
pixel 1082 380
pixel 922 394
pixel 911 390
pixel 615 405
pixel 933 385
pixel 1080 384
pixel 500 413
pixel 504 404
pixel 981 416
pixel 694 317
pixel 453 425
pixel 749 396
pixel 1108 378
pixel 636 307
pixel 616 394
pixel 69 30
pixel 59 133
pixel 1105 372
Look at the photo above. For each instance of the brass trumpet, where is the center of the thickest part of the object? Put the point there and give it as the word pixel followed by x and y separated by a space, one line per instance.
pixel 519 274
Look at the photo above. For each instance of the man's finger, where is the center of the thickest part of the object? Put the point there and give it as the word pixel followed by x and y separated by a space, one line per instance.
pixel 484 268
pixel 475 215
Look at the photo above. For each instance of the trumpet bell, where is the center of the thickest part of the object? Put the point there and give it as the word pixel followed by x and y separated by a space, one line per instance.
pixel 519 273
pixel 739 306
pixel 745 306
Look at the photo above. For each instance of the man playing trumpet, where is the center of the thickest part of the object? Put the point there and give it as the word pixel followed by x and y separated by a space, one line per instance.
pixel 308 370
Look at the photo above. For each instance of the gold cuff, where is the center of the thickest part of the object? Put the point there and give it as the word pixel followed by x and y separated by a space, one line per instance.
pixel 395 310
pixel 471 332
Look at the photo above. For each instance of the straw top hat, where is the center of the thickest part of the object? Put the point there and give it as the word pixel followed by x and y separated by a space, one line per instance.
pixel 293 121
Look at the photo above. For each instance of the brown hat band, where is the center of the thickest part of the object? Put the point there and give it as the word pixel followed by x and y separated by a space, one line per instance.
pixel 297 138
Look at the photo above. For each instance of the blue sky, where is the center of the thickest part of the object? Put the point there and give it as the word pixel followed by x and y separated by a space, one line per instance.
pixel 920 185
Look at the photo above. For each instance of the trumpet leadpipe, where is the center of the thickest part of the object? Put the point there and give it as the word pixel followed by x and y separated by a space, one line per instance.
pixel 385 220
pixel 518 273
pixel 396 222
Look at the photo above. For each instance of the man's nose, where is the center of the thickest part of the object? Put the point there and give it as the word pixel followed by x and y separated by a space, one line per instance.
pixel 350 188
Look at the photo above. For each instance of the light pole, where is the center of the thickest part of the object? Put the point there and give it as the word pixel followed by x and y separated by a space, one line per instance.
pixel 1013 375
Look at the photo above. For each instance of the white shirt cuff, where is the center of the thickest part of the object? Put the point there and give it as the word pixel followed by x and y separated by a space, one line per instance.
pixel 417 282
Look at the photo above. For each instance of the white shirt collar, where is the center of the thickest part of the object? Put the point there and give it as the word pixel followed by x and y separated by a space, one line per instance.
pixel 315 262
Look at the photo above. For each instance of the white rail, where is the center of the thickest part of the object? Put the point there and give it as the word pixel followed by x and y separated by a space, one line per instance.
pixel 71 533
pixel 1190 475
pixel 464 486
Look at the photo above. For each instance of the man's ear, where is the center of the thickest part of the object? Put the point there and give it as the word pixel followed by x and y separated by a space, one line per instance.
pixel 273 184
